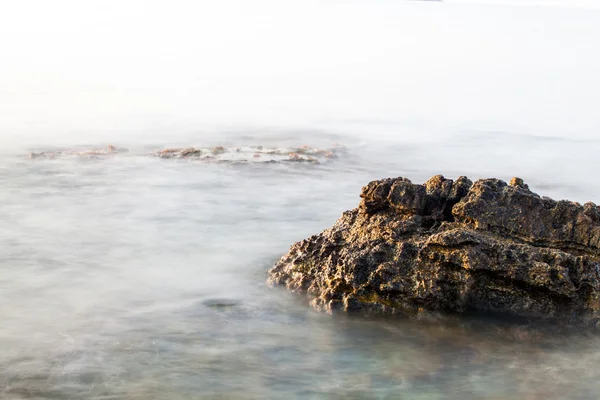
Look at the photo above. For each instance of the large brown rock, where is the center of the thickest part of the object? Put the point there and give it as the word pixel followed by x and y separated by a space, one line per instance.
pixel 451 247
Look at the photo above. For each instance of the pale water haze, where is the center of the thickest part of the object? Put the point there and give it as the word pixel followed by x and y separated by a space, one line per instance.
pixel 136 277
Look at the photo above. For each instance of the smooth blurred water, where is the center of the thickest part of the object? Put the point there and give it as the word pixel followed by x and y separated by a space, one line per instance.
pixel 134 277
pixel 137 277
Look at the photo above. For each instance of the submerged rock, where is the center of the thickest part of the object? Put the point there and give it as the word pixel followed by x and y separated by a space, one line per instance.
pixel 447 247
pixel 84 153
pixel 188 152
pixel 218 154
pixel 221 303
pixel 254 154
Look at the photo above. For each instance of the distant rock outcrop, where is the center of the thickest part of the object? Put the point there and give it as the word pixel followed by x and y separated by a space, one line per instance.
pixel 452 247
pixel 84 153
pixel 218 154
pixel 254 154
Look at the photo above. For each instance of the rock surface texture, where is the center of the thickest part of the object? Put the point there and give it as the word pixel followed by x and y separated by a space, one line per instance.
pixel 453 247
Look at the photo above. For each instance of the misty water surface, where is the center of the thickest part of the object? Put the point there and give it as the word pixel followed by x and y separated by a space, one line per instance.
pixel 134 277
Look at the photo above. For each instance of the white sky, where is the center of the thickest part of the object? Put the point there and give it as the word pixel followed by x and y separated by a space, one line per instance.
pixel 86 64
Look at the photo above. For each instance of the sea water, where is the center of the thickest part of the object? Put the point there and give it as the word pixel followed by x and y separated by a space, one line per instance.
pixel 136 277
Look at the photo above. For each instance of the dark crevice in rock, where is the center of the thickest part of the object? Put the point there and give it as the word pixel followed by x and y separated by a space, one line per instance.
pixel 492 279
pixel 574 248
